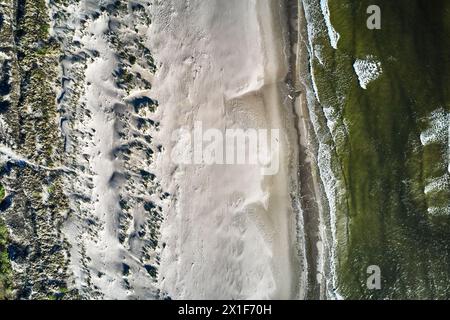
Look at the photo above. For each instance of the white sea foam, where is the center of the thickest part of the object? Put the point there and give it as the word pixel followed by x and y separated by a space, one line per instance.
pixel 331 118
pixel 367 70
pixel 438 184
pixel 439 211
pixel 313 81
pixel 334 189
pixel 332 33
pixel 318 53
pixel 438 130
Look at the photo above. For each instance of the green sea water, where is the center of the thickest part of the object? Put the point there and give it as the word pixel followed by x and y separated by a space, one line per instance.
pixel 384 216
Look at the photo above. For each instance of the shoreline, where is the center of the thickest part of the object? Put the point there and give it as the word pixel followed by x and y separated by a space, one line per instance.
pixel 319 256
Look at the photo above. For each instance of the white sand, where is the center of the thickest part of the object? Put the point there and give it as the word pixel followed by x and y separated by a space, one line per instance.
pixel 230 232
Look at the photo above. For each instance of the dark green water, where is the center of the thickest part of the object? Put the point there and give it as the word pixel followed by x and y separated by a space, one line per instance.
pixel 384 217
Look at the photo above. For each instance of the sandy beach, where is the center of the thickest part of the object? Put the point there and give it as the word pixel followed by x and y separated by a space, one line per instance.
pixel 230 232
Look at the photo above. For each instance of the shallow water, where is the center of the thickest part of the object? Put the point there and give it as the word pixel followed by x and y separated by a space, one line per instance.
pixel 380 168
